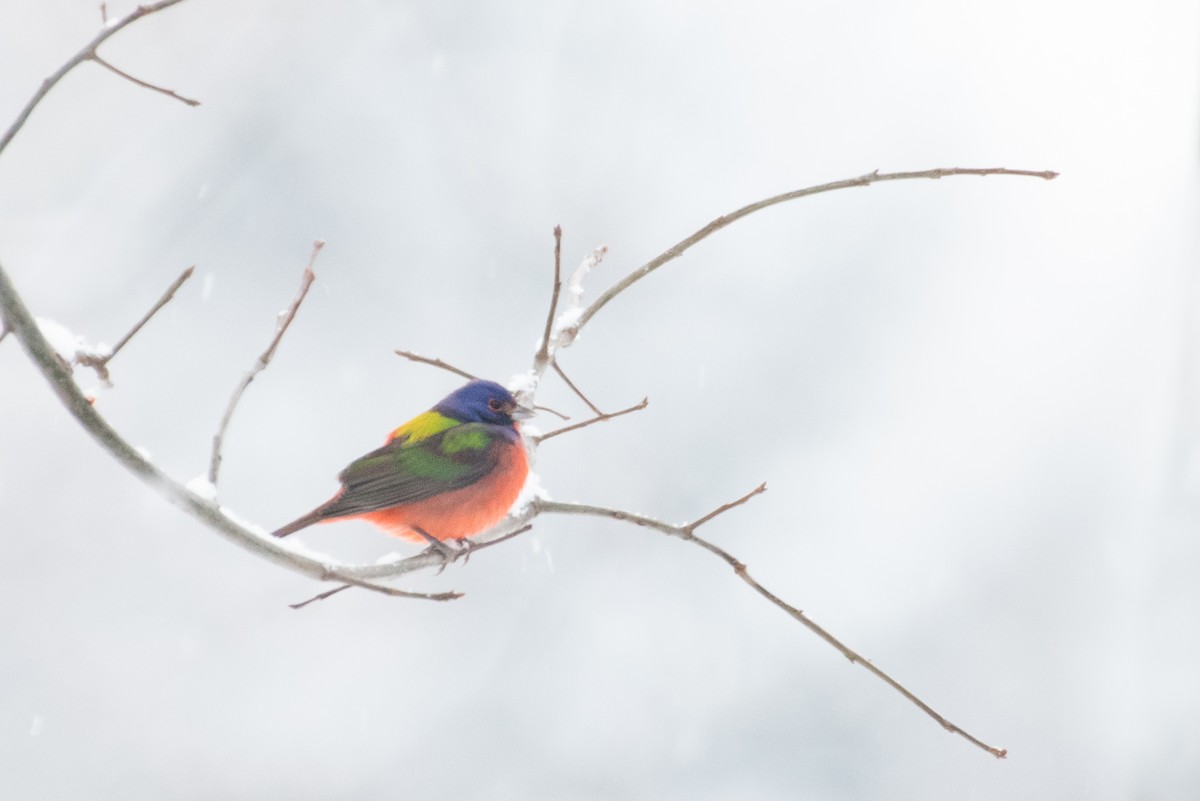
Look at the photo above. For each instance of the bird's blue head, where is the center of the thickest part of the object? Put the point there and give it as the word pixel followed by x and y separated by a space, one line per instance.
pixel 482 402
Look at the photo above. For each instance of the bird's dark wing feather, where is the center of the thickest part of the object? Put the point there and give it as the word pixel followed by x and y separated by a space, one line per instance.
pixel 404 471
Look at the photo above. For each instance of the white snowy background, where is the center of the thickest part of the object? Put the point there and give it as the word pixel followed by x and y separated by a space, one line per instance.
pixel 975 401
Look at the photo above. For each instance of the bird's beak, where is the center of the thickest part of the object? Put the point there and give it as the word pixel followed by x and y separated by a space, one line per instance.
pixel 520 412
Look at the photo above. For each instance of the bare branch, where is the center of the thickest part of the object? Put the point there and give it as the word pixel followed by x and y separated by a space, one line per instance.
pixel 554 412
pixel 542 357
pixel 465 552
pixel 281 328
pixel 99 363
pixel 413 357
pixel 3 332
pixel 600 418
pixel 162 301
pixel 558 369
pixel 725 507
pixel 83 55
pixel 168 92
pixel 687 532
pixel 505 529
pixel 17 317
pixel 721 222
pixel 321 596
pixel 392 591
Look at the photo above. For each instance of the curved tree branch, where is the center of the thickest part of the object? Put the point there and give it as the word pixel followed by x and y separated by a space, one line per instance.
pixel 874 177
pixel 18 319
pixel 688 532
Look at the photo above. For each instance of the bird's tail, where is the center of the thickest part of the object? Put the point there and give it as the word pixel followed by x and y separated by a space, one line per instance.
pixel 315 516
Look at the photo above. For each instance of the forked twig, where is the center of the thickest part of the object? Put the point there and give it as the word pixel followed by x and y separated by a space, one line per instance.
pixel 281 328
pixel 600 418
pixel 688 532
pixel 83 55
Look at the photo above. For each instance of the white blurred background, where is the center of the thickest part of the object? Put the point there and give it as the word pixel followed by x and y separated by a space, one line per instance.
pixel 975 401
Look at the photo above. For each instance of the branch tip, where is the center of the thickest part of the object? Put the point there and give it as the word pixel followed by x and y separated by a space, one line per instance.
pixel 414 357
pixel 94 56
pixel 281 326
pixel 722 509
pixel 600 418
pixel 543 355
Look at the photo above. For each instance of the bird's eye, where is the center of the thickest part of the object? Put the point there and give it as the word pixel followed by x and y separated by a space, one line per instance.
pixel 495 405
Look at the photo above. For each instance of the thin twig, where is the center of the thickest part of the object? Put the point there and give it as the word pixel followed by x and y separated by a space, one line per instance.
pixel 392 591
pixel 687 532
pixel 162 301
pixel 542 357
pixel 721 222
pixel 600 418
pixel 413 357
pixel 160 89
pixel 465 552
pixel 416 357
pixel 281 327
pixel 99 363
pixel 83 55
pixel 554 412
pixel 558 369
pixel 725 507
pixel 321 596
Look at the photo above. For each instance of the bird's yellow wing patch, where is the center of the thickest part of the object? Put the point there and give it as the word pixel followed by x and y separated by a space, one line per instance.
pixel 423 426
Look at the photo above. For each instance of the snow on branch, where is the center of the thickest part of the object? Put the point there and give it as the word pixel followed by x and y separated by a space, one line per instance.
pixel 561 328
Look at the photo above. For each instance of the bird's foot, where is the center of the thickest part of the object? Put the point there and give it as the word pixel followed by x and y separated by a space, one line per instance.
pixel 466 547
pixel 438 548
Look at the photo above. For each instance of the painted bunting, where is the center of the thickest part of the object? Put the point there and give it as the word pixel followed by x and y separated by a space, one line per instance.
pixel 449 473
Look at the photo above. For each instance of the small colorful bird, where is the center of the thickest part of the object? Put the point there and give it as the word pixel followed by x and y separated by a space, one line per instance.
pixel 449 473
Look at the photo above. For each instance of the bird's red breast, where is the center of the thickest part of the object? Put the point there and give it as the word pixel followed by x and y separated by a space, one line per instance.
pixel 463 512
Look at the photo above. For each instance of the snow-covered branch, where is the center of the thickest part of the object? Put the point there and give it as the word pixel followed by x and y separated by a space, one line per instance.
pixel 565 319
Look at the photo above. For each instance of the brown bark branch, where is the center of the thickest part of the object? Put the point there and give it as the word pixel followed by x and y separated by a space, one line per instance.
pixel 58 374
pixel 152 87
pixel 414 357
pixel 687 532
pixel 281 328
pixel 558 369
pixel 681 247
pixel 543 352
pixel 83 55
pixel 600 418
pixel 100 363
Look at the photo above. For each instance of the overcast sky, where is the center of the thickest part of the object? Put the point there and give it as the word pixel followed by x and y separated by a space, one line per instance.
pixel 975 401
